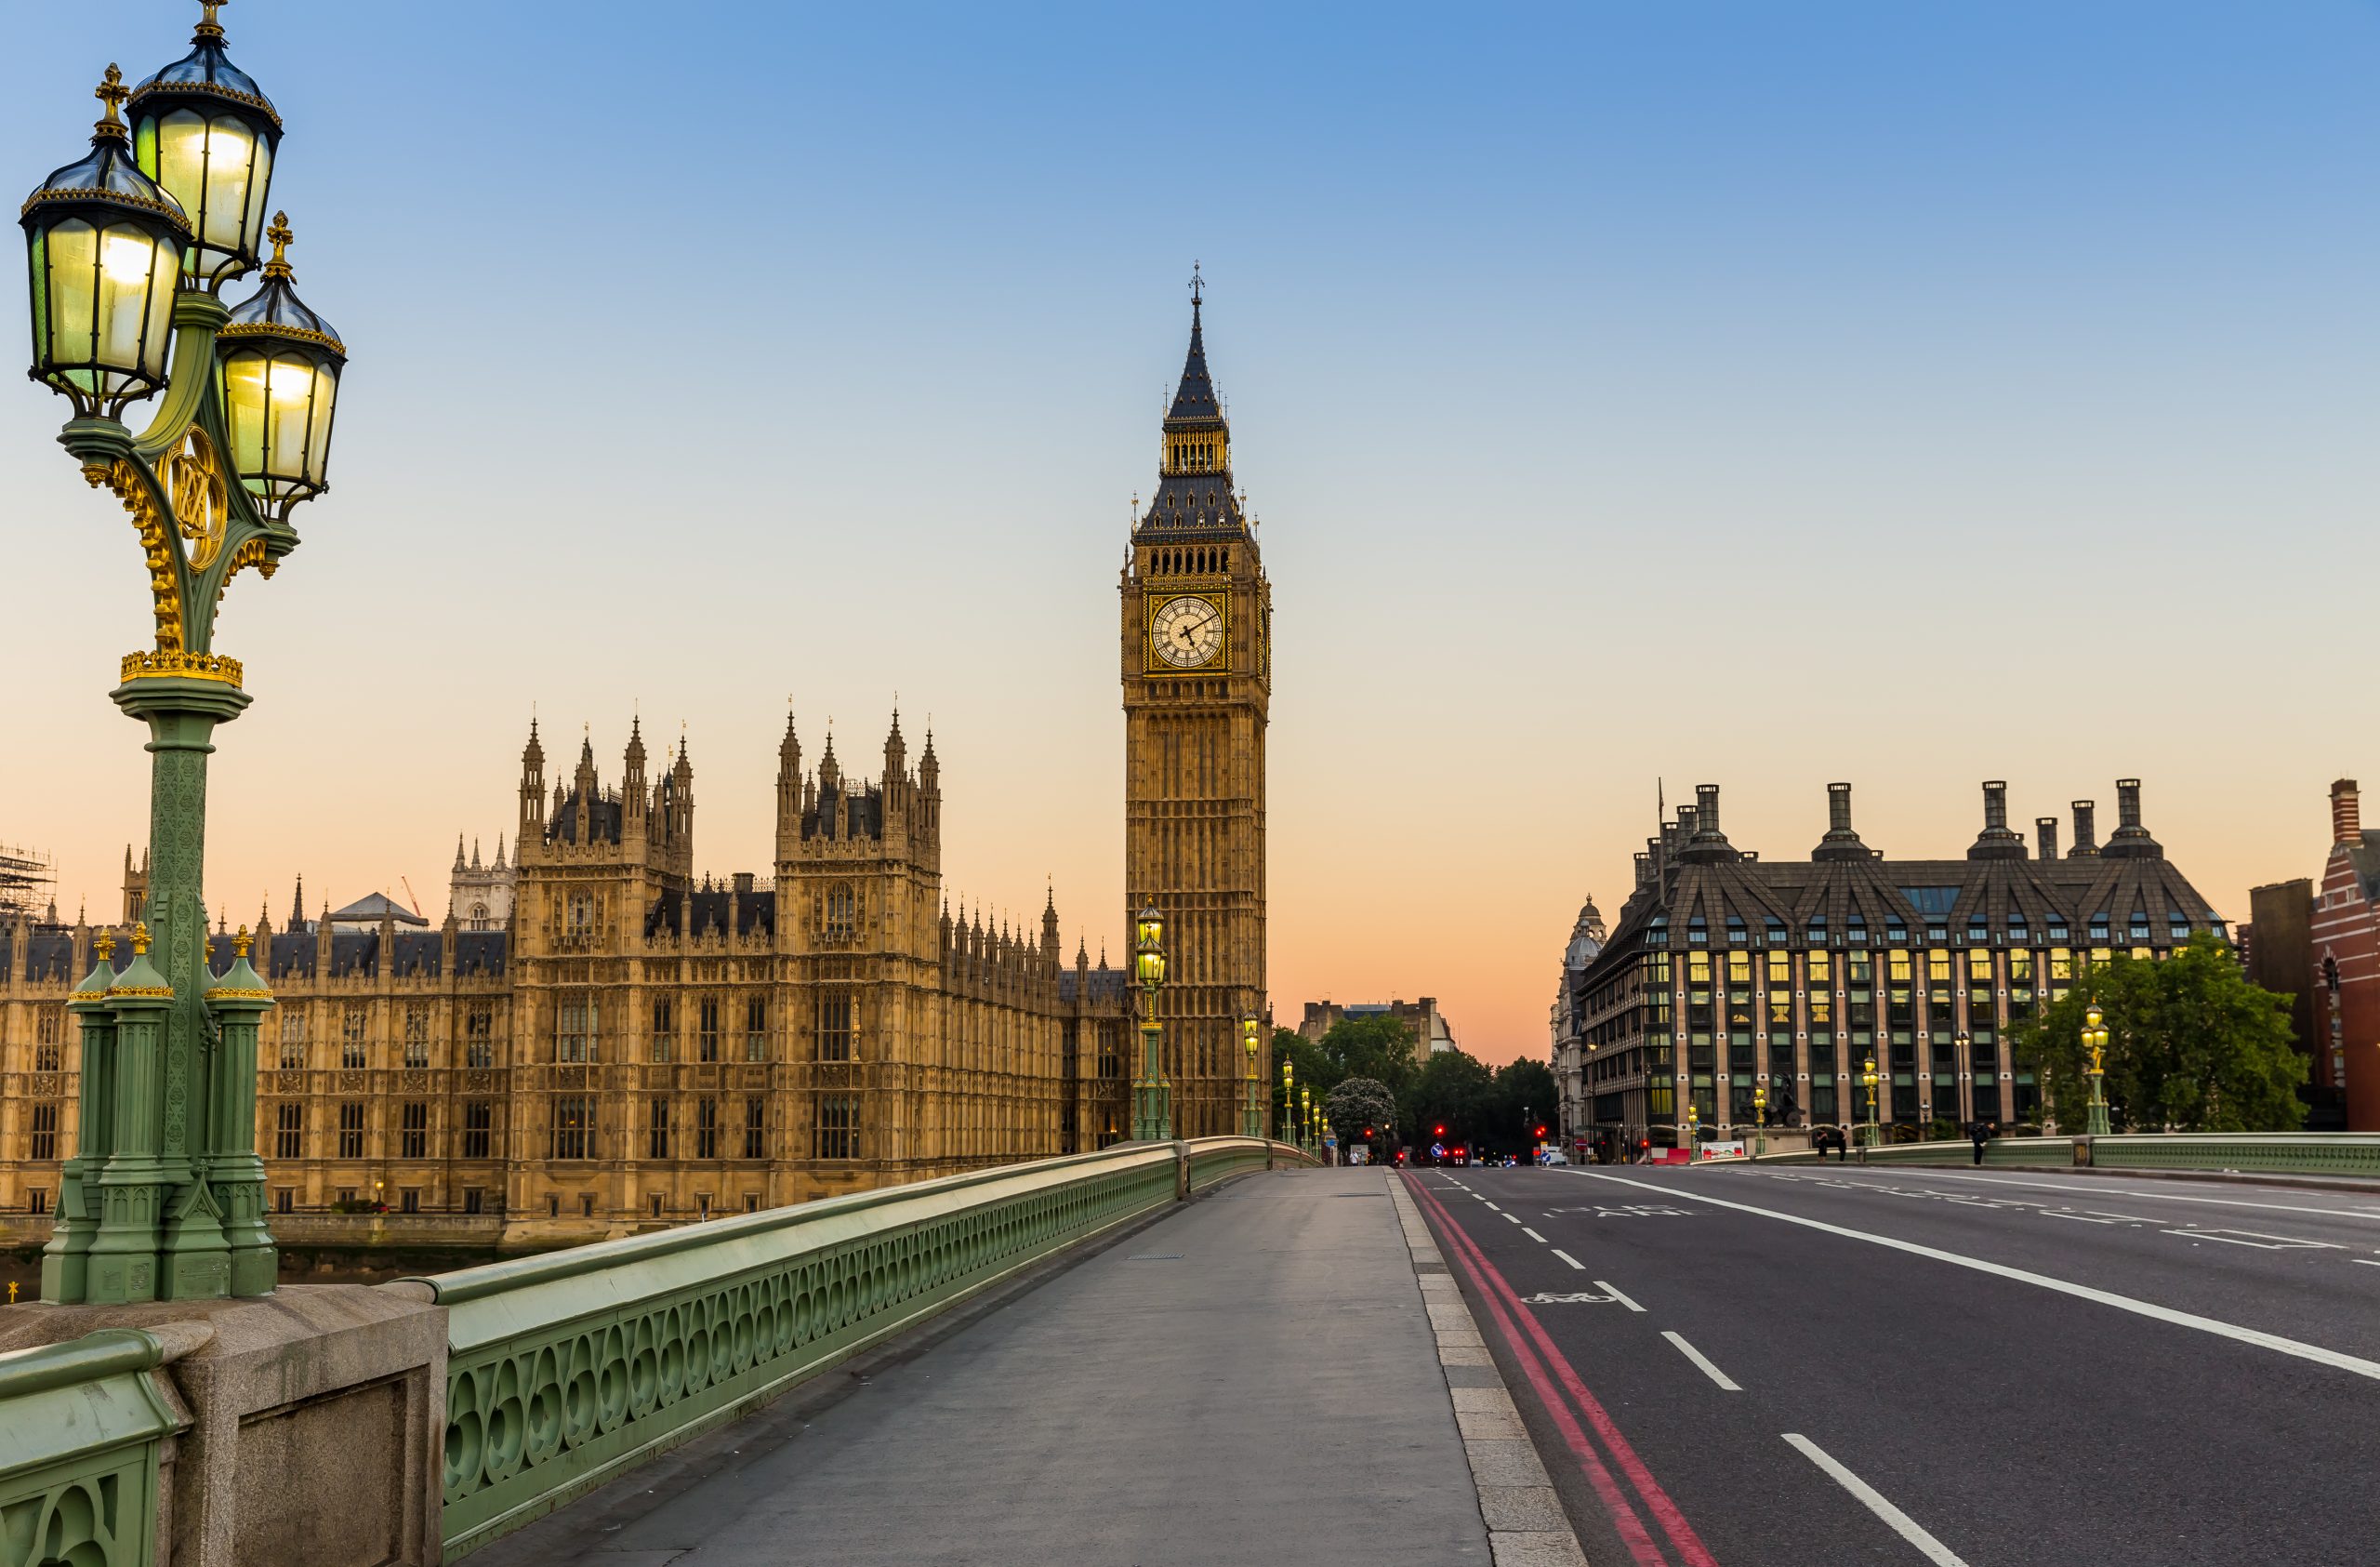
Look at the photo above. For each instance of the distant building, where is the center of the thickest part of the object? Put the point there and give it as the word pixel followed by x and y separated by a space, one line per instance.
pixel 478 896
pixel 1568 1059
pixel 1727 973
pixel 366 915
pixel 1432 1033
pixel 2322 948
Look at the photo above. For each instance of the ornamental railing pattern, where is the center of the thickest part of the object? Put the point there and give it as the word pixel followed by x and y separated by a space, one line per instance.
pixel 84 1430
pixel 566 1369
pixel 2336 1153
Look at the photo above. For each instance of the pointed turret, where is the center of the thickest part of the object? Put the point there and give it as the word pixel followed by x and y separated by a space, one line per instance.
pixel 1194 495
pixel 458 852
pixel 533 787
pixel 499 851
pixel 298 905
pixel 1049 924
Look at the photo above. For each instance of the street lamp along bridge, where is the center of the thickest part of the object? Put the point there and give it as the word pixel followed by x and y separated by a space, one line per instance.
pixel 128 250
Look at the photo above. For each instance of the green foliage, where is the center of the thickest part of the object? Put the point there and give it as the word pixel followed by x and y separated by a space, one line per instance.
pixel 1451 1090
pixel 1361 1103
pixel 2193 1045
pixel 1379 1048
pixel 1524 1100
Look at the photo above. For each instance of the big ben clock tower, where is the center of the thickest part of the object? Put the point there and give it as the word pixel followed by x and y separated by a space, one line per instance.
pixel 1197 683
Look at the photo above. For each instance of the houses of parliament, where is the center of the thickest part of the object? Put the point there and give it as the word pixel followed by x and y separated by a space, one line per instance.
pixel 601 1037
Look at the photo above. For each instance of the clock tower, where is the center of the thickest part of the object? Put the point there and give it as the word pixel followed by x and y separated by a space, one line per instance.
pixel 1197 673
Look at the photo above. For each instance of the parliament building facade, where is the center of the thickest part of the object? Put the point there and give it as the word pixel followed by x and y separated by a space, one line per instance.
pixel 600 1039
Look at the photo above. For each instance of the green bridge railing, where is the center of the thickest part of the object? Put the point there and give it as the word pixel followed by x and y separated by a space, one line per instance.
pixel 566 1369
pixel 83 1432
pixel 2270 1153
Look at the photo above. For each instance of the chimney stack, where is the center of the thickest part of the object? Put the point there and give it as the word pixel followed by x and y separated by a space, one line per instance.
pixel 1706 810
pixel 2127 805
pixel 2346 814
pixel 2045 831
pixel 1838 808
pixel 2130 840
pixel 1996 842
pixel 2087 834
pixel 1841 842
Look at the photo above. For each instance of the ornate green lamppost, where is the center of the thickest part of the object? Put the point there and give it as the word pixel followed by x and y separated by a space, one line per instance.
pixel 1305 1118
pixel 1868 1080
pixel 128 249
pixel 1252 1118
pixel 2095 1040
pixel 1151 1094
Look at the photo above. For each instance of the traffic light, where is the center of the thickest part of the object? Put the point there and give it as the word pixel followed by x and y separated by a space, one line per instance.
pixel 1367 1131
pixel 1439 1129
pixel 1540 1131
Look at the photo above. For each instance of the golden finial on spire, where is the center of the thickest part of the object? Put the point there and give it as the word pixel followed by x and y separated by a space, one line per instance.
pixel 209 27
pixel 112 92
pixel 140 938
pixel 280 235
pixel 242 942
pixel 105 946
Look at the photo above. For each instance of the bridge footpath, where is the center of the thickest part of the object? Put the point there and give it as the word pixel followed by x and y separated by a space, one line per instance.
pixel 1255 1375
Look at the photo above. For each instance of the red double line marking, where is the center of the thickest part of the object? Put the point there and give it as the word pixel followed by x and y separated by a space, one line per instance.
pixel 1492 1287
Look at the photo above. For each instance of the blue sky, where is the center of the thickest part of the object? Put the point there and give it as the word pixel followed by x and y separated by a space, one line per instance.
pixel 1753 393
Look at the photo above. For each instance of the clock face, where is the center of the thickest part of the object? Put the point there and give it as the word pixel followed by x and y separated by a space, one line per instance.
pixel 1186 631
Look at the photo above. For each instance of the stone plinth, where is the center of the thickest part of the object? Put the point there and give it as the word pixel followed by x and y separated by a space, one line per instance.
pixel 318 1422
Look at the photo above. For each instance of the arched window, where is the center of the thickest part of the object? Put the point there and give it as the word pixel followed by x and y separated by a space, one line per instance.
pixel 479 917
pixel 582 916
pixel 842 913
pixel 2331 975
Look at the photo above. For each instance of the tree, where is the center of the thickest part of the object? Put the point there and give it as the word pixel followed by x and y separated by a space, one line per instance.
pixel 1451 1090
pixel 1358 1105
pixel 1310 1069
pixel 1522 1099
pixel 1378 1047
pixel 2193 1045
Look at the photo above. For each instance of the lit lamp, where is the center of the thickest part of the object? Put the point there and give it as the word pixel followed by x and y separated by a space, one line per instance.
pixel 1289 1100
pixel 1693 1127
pixel 104 244
pixel 202 130
pixel 1305 1118
pixel 2095 1040
pixel 281 366
pixel 1868 1078
pixel 1253 1117
pixel 127 249
pixel 1152 1096
pixel 1760 1121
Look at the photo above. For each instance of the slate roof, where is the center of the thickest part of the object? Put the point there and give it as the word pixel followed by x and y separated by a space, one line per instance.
pixel 371 909
pixel 1105 983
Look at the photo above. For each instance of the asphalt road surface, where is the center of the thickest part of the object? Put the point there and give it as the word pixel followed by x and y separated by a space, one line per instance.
pixel 1762 1368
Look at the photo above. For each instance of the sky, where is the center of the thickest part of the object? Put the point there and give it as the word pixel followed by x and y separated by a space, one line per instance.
pixel 1633 395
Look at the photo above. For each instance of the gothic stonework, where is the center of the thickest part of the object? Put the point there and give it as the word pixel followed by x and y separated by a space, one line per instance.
pixel 1197 680
pixel 643 1045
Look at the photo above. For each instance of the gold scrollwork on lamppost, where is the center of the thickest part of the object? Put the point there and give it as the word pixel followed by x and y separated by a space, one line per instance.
pixel 193 477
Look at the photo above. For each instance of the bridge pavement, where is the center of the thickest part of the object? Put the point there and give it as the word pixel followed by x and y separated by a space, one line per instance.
pixel 1253 1377
pixel 1992 1368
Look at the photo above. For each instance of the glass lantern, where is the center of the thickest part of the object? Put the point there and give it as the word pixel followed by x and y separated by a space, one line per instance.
pixel 201 129
pixel 103 257
pixel 281 370
pixel 1149 927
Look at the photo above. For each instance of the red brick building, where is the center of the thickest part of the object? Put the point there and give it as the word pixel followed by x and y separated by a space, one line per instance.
pixel 2322 943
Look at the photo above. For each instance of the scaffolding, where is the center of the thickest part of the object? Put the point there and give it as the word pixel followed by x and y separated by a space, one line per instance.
pixel 28 885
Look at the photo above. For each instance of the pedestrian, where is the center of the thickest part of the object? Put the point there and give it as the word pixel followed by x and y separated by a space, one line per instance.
pixel 1982 1134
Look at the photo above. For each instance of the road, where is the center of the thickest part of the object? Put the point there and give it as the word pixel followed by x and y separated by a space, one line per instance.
pixel 1990 1369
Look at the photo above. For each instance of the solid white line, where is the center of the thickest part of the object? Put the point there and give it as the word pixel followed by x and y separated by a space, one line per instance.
pixel 1533 1235
pixel 2260 1339
pixel 1614 1293
pixel 1697 1356
pixel 1901 1523
pixel 1582 1267
pixel 2366 1261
